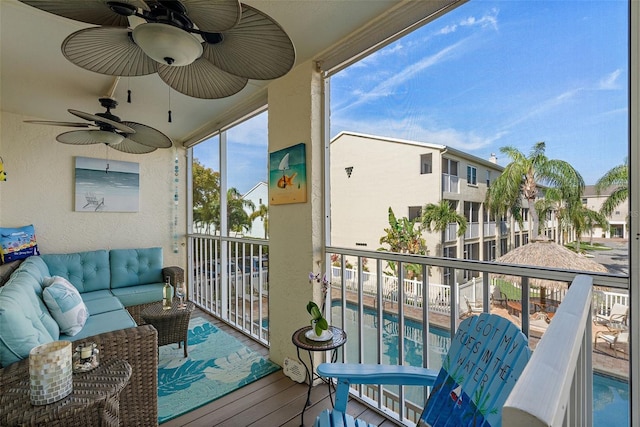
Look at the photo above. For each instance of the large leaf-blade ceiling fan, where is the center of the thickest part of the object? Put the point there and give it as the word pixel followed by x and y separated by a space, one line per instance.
pixel 107 128
pixel 201 48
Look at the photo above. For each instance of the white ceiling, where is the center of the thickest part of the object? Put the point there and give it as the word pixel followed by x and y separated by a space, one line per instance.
pixel 37 81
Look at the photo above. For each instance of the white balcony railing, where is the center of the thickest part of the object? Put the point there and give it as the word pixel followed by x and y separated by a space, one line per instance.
pixel 355 293
pixel 556 387
pixel 489 229
pixel 230 280
pixel 450 183
pixel 473 230
pixel 451 232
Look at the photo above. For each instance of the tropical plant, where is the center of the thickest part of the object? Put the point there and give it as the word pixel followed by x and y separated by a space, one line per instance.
pixel 522 176
pixel 437 217
pixel 206 197
pixel 618 178
pixel 405 236
pixel 263 213
pixel 206 202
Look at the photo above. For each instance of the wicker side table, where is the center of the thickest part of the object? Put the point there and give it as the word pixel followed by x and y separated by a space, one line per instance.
pixel 172 325
pixel 95 400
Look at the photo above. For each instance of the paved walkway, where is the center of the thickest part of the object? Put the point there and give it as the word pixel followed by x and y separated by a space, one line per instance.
pixel 615 259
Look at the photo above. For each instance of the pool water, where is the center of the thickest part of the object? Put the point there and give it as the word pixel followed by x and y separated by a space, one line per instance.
pixel 610 396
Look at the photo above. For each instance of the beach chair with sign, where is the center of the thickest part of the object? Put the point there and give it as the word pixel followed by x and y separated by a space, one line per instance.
pixel 486 357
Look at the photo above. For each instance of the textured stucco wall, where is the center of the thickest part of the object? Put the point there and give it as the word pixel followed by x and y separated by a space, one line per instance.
pixel 295 230
pixel 40 190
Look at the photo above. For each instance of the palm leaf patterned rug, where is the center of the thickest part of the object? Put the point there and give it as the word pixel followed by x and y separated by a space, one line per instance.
pixel 217 365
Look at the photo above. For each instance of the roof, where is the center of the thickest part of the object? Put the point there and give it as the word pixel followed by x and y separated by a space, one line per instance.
pixel 442 148
pixel 547 253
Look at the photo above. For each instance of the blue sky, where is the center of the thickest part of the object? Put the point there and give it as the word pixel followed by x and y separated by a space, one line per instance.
pixel 487 75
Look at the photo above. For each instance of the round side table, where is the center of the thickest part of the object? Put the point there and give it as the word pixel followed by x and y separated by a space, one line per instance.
pixel 301 342
pixel 94 401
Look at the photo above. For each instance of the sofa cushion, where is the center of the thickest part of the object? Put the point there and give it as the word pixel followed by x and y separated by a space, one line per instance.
pixel 65 304
pixel 87 271
pixel 103 322
pixel 131 267
pixel 25 322
pixel 101 302
pixel 141 294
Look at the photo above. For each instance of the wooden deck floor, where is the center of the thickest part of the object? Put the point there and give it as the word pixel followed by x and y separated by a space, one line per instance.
pixel 272 401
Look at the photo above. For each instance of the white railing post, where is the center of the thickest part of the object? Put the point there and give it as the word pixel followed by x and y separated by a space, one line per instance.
pixel 555 388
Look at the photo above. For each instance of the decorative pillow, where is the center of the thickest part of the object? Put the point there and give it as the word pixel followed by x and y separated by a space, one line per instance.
pixel 65 304
pixel 17 243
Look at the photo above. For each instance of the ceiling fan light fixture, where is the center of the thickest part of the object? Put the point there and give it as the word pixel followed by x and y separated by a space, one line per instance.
pixel 167 44
pixel 106 137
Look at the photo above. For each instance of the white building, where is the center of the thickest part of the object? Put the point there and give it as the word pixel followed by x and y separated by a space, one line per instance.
pixel 617 221
pixel 259 195
pixel 370 173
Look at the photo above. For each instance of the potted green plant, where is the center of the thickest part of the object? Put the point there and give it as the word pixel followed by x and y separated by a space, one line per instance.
pixel 318 321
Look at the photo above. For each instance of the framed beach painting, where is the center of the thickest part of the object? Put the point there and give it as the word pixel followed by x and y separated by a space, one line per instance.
pixel 106 185
pixel 288 175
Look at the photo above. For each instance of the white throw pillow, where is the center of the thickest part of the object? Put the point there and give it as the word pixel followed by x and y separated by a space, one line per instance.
pixel 65 304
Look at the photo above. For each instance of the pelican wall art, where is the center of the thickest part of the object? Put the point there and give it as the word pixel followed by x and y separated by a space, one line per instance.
pixel 288 175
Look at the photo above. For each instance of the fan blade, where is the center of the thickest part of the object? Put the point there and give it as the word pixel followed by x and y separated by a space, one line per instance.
pixel 213 16
pixel 80 137
pixel 256 48
pixel 148 136
pixel 95 12
pixel 132 147
pixel 67 124
pixel 201 79
pixel 93 118
pixel 107 50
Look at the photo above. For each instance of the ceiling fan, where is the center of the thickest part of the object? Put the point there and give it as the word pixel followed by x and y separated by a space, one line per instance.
pixel 204 49
pixel 107 128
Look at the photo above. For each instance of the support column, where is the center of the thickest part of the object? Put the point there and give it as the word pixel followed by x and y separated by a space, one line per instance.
pixel 295 230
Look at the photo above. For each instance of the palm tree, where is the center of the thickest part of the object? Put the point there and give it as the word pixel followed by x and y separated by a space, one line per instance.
pixel 521 177
pixel 617 177
pixel 237 216
pixel 263 214
pixel 436 217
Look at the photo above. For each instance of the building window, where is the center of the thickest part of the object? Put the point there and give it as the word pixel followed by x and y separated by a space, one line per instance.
pixel 488 178
pixel 426 163
pixel 415 212
pixel 449 176
pixel 449 167
pixel 471 175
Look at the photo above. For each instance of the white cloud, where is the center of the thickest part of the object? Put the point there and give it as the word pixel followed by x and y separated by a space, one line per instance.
pixel 389 85
pixel 489 20
pixel 610 81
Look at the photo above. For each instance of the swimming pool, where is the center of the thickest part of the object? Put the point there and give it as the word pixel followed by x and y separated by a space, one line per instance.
pixel 610 396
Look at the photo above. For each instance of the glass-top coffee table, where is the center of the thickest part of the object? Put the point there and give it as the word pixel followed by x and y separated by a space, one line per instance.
pixel 172 325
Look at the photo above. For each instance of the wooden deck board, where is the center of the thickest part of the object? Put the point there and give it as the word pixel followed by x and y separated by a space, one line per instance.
pixel 272 401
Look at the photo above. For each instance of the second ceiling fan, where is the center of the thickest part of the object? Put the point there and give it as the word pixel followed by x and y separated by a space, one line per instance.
pixel 107 128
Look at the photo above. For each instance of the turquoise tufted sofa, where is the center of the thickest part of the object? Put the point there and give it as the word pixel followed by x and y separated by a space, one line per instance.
pixel 115 285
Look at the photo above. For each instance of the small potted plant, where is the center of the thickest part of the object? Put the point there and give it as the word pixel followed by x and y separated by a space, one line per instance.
pixel 318 321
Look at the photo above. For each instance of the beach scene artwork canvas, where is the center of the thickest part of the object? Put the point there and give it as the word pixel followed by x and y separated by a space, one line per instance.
pixel 288 175
pixel 106 185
